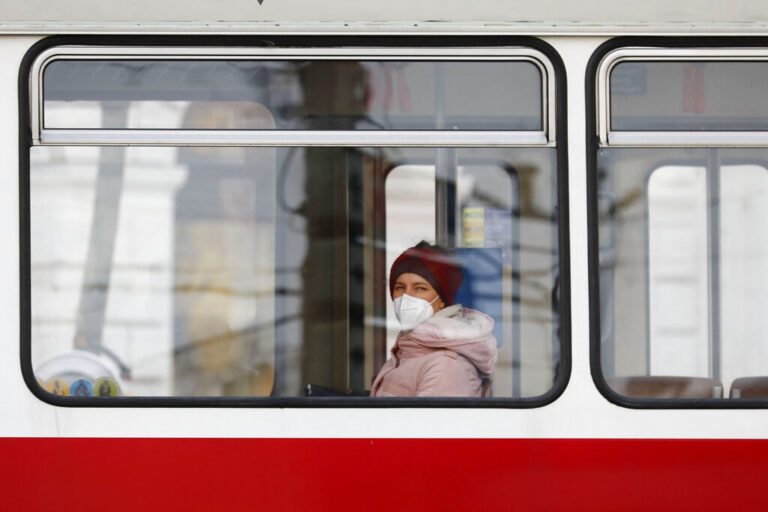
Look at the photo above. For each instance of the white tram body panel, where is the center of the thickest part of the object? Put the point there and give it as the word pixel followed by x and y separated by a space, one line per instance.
pixel 574 31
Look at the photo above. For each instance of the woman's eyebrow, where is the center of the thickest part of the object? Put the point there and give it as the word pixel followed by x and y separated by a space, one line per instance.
pixel 413 283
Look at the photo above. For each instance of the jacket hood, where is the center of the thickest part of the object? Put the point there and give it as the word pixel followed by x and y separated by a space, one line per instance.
pixel 465 331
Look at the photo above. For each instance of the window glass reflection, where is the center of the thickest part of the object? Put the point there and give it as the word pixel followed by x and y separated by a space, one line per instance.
pixel 300 95
pixel 262 271
pixel 684 269
pixel 689 96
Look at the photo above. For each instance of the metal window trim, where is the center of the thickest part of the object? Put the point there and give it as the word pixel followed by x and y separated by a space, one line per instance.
pixel 334 138
pixel 613 138
pixel 687 139
pixel 41 135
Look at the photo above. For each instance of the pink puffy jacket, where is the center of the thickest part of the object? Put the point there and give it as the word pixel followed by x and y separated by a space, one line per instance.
pixel 448 355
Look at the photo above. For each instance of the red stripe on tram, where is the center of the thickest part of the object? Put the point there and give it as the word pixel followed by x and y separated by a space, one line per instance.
pixel 381 474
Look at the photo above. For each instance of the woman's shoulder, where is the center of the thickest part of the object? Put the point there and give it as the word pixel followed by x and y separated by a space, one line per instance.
pixel 453 311
pixel 462 313
pixel 457 321
pixel 446 373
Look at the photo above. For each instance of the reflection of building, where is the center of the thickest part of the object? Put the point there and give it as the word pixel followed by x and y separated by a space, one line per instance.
pixel 133 287
pixel 224 260
pixel 127 308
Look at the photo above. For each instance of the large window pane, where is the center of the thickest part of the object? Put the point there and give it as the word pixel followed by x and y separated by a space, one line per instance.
pixel 684 270
pixel 260 271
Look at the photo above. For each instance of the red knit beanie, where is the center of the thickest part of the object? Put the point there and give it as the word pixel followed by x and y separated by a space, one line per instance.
pixel 439 269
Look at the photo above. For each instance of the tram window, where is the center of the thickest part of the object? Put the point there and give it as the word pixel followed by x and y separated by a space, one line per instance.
pixel 228 266
pixel 395 95
pixel 689 96
pixel 683 254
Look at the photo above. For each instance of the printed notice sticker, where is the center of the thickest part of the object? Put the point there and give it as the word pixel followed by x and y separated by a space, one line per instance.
pixel 106 387
pixel 81 387
pixel 57 387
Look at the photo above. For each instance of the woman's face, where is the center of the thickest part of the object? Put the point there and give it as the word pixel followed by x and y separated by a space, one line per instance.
pixel 416 286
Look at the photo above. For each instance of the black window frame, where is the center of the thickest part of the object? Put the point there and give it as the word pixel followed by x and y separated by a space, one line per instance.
pixel 562 313
pixel 593 241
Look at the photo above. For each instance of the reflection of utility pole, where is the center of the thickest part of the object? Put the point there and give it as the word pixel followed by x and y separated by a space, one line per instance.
pixel 446 170
pixel 101 241
pixel 332 101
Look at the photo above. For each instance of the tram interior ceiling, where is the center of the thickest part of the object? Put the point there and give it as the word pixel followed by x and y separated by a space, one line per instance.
pixel 218 267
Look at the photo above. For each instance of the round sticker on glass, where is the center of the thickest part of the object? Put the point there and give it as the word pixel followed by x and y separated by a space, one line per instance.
pixel 81 387
pixel 106 387
pixel 57 387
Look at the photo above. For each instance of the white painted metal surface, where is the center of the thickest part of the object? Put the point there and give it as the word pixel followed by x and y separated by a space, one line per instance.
pixel 547 17
pixel 581 412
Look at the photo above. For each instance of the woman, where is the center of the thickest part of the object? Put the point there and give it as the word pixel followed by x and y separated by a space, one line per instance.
pixel 443 349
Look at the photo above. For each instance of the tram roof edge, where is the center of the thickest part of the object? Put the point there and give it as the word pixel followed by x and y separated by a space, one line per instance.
pixel 543 17
pixel 752 28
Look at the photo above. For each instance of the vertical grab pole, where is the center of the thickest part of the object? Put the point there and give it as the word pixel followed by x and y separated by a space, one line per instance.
pixel 713 242
pixel 446 170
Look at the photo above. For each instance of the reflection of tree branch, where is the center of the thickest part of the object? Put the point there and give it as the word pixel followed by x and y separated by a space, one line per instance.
pixel 488 199
pixel 225 290
pixel 214 269
pixel 528 207
pixel 230 335
pixel 536 319
pixel 629 198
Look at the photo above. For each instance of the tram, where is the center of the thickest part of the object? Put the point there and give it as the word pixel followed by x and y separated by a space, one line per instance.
pixel 200 204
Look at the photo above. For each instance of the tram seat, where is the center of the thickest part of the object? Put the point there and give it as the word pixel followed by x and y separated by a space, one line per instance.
pixel 749 387
pixel 657 386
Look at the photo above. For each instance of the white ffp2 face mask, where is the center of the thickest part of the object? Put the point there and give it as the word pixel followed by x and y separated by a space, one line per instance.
pixel 411 311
